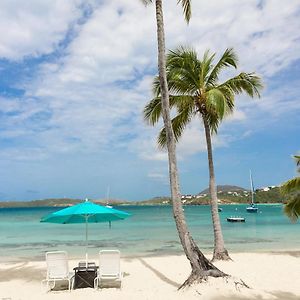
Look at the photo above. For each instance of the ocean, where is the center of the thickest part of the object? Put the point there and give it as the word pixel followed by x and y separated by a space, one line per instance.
pixel 149 231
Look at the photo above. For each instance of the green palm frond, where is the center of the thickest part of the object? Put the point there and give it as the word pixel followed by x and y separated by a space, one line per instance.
pixel 187 11
pixel 153 110
pixel 290 186
pixel 213 122
pixel 192 82
pixel 183 70
pixel 179 123
pixel 156 86
pixel 297 159
pixel 292 208
pixel 206 65
pixel 186 6
pixel 249 83
pixel 229 96
pixel 229 58
pixel 215 103
pixel 219 103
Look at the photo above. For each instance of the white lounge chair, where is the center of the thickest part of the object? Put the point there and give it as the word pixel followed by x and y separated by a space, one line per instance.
pixel 109 272
pixel 57 269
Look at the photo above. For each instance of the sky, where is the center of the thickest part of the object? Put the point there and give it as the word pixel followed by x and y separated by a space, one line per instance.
pixel 76 74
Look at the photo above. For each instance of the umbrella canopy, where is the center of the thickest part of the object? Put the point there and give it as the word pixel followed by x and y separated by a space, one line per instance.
pixel 86 212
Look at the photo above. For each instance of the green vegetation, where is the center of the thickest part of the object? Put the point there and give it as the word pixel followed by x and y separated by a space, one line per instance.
pixel 41 203
pixel 291 189
pixel 271 196
pixel 226 194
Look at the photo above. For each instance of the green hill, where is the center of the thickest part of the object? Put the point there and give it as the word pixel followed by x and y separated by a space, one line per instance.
pixel 226 194
pixel 234 194
pixel 225 188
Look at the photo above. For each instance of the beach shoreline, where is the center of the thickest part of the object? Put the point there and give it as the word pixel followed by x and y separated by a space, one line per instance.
pixel 270 275
pixel 295 252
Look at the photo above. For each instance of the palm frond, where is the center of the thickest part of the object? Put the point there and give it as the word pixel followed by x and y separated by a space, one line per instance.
pixel 292 208
pixel 290 186
pixel 297 159
pixel 156 86
pixel 215 103
pixel 206 65
pixel 229 58
pixel 153 110
pixel 250 83
pixel 179 123
pixel 229 96
pixel 187 10
pixel 183 71
pixel 213 122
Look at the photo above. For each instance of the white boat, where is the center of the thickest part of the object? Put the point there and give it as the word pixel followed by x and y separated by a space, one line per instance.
pixel 236 219
pixel 252 208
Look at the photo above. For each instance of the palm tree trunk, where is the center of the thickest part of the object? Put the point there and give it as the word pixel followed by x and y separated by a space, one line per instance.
pixel 201 266
pixel 219 248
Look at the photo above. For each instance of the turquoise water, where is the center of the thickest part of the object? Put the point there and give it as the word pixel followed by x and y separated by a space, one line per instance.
pixel 149 231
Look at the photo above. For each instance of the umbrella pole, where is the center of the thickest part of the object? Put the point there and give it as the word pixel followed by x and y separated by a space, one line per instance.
pixel 86 241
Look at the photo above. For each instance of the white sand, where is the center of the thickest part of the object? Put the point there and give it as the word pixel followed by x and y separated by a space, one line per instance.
pixel 270 276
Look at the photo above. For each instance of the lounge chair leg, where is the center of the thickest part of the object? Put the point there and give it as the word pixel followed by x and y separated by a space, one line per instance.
pixel 96 283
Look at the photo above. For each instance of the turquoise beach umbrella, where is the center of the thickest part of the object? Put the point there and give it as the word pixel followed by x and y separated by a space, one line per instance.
pixel 85 212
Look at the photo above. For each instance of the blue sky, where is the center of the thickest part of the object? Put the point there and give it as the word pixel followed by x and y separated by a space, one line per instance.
pixel 75 76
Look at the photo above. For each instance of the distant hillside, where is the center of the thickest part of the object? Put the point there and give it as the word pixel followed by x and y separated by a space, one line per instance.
pixel 225 188
pixel 226 194
pixel 154 201
pixel 63 202
pixel 41 203
pixel 236 195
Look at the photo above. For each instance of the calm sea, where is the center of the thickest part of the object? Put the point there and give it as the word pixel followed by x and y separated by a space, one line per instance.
pixel 149 231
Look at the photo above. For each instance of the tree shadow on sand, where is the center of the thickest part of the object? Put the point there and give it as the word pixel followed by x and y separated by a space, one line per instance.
pixel 279 295
pixel 23 272
pixel 159 274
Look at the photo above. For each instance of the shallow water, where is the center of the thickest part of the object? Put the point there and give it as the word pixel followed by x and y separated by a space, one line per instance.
pixel 149 231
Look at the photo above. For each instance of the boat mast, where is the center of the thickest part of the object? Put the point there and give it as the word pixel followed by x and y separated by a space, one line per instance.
pixel 107 195
pixel 252 191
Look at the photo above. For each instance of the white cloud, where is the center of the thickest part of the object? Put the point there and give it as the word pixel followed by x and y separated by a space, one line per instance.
pixel 96 91
pixel 33 28
pixel 237 115
pixel 192 141
pixel 159 177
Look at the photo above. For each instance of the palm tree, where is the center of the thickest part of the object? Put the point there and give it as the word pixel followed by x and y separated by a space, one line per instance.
pixel 291 188
pixel 195 91
pixel 201 266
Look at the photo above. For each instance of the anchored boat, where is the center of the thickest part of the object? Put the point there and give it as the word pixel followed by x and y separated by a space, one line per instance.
pixel 236 219
pixel 252 208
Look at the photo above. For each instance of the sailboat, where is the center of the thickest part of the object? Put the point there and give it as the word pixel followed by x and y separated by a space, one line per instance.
pixel 252 208
pixel 107 198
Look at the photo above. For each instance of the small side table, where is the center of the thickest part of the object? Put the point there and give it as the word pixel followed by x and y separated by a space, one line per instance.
pixel 84 276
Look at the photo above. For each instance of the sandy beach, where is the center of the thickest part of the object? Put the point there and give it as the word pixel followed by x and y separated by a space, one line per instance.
pixel 269 276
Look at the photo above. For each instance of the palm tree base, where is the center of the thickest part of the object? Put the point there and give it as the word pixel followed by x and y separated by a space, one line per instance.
pixel 221 255
pixel 198 276
pixel 202 268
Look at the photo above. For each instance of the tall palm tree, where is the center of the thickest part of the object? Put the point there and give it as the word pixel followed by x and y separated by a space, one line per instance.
pixel 291 189
pixel 201 266
pixel 195 91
